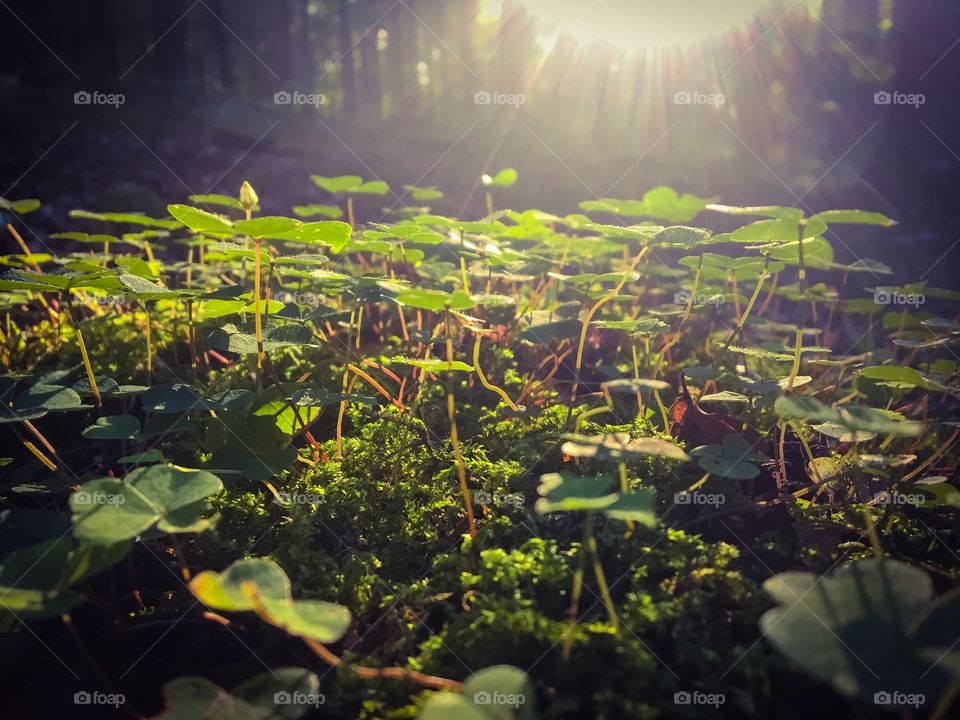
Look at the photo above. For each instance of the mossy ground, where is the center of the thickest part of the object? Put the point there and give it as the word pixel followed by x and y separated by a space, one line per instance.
pixel 381 530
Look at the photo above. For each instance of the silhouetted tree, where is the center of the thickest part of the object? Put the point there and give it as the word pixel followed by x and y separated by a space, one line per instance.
pixel 303 46
pixel 402 58
pixel 219 39
pixel 345 56
pixel 370 23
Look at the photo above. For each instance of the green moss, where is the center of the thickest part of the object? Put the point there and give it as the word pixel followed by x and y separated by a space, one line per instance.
pixel 116 344
pixel 385 535
pixel 681 599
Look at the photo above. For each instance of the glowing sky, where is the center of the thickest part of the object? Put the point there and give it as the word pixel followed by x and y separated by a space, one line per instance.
pixel 632 23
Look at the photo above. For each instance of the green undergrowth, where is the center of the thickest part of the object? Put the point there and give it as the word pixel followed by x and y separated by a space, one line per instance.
pixel 520 467
pixel 385 513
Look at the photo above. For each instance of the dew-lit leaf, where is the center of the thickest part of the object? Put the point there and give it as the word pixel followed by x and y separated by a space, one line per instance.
pixel 260 585
pixel 504 178
pixel 201 221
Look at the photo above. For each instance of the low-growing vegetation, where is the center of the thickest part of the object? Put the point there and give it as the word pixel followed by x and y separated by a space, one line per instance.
pixel 611 464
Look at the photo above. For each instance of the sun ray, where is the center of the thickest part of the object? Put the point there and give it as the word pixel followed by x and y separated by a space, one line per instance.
pixel 639 23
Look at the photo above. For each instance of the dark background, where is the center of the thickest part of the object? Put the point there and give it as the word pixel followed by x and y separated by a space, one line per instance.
pixel 799 126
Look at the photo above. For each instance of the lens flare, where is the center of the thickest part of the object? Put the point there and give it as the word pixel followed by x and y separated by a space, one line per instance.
pixel 642 23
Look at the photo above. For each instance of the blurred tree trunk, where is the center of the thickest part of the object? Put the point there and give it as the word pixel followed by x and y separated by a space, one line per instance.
pixel 219 40
pixel 465 28
pixel 345 56
pixel 442 70
pixel 275 27
pixel 513 49
pixel 304 50
pixel 370 84
pixel 402 59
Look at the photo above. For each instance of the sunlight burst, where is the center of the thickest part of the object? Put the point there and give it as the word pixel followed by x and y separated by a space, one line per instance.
pixel 641 23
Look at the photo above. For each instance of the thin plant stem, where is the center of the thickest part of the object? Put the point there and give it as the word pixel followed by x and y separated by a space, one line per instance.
pixel 23 246
pixel 801 269
pixel 583 417
pixel 625 488
pixel 746 312
pixel 771 293
pixel 376 386
pixel 181 558
pixel 39 436
pixel 343 391
pixel 431 682
pixel 258 321
pixel 149 339
pixel 664 413
pixel 946 700
pixel 781 446
pixel 455 439
pixel 483 378
pixel 578 365
pixel 403 324
pixel 735 293
pixel 683 321
pixel 464 280
pixel 797 352
pixel 575 592
pixel 38 454
pixel 191 337
pixel 808 450
pixel 932 459
pixel 91 378
pixel 636 376
pixel 591 542
pixel 875 544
